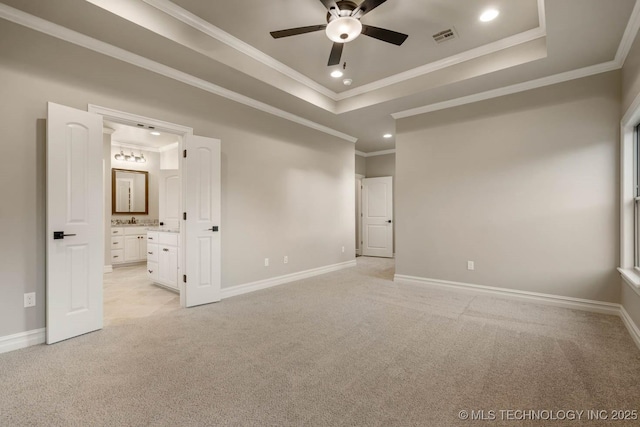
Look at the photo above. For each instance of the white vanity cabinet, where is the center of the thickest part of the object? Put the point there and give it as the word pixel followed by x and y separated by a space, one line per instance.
pixel 162 258
pixel 128 244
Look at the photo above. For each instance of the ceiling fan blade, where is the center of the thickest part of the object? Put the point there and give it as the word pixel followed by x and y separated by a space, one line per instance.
pixel 296 31
pixel 329 4
pixel 388 36
pixel 336 54
pixel 365 7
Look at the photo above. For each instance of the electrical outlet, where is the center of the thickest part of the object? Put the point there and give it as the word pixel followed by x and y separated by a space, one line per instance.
pixel 286 259
pixel 343 249
pixel 30 299
pixel 471 265
pixel 266 262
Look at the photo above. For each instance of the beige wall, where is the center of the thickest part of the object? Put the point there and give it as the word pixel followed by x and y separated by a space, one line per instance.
pixel 630 90
pixel 378 166
pixel 361 165
pixel 286 189
pixel 152 165
pixel 525 185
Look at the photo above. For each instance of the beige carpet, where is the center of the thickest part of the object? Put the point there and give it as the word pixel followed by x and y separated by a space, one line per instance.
pixel 347 348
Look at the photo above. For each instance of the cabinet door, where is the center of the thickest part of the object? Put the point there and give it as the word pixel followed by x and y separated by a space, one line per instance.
pixel 142 243
pixel 168 265
pixel 131 248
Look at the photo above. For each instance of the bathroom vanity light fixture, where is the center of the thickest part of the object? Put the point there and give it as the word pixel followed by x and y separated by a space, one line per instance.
pixel 130 158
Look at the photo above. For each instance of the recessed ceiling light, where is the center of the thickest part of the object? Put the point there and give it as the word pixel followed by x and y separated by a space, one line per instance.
pixel 154 133
pixel 336 74
pixel 489 15
pixel 347 82
pixel 387 135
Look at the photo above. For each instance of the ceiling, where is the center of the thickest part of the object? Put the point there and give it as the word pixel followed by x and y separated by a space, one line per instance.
pixel 225 48
pixel 137 137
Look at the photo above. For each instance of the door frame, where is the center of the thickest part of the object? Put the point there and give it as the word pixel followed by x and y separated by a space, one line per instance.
pixel 390 216
pixel 359 177
pixel 185 132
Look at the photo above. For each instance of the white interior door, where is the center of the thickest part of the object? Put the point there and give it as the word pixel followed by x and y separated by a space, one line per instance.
pixel 75 248
pixel 377 216
pixel 201 189
pixel 169 200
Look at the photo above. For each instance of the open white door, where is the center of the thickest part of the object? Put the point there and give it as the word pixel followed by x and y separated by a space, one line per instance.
pixel 377 216
pixel 75 227
pixel 201 189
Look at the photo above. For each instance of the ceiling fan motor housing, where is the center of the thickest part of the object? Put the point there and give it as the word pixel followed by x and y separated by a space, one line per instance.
pixel 342 27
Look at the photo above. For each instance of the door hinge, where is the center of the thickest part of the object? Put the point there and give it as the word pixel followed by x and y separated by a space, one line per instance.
pixel 184 216
pixel 184 154
pixel 184 278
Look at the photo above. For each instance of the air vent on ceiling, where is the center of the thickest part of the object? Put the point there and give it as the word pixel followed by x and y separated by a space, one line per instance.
pixel 445 35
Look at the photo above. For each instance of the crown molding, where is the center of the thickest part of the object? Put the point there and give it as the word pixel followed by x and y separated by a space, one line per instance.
pixel 508 90
pixel 480 51
pixel 631 30
pixel 211 30
pixel 62 33
pixel 375 153
pixel 629 35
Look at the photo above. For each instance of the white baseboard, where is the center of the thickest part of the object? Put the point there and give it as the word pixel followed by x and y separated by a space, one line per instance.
pixel 22 340
pixel 557 300
pixel 108 269
pixel 281 280
pixel 633 329
pixel 548 299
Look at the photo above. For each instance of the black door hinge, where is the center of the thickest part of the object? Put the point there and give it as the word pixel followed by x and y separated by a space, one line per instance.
pixel 184 278
pixel 184 216
pixel 184 154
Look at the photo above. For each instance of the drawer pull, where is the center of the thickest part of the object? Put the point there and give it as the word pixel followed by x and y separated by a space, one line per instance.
pixel 150 238
pixel 116 256
pixel 165 249
pixel 150 253
pixel 115 243
pixel 150 271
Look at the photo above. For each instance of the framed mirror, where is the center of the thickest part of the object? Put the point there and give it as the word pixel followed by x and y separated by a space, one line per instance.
pixel 129 192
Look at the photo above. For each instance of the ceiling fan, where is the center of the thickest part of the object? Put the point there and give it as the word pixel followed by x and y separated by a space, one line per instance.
pixel 343 25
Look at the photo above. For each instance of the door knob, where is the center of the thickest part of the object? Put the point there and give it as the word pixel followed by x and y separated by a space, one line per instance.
pixel 389 221
pixel 214 228
pixel 57 235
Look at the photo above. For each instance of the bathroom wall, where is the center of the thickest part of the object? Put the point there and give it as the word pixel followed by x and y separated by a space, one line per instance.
pixel 152 166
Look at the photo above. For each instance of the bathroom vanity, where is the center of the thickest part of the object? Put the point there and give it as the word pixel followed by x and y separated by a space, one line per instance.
pixel 162 247
pixel 128 244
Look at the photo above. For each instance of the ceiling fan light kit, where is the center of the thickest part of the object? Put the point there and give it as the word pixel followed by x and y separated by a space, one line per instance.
pixel 343 25
pixel 343 29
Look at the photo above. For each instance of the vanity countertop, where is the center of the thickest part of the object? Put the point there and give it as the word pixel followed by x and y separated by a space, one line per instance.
pixel 163 229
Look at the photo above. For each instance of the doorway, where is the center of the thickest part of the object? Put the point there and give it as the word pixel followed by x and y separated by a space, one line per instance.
pixel 142 202
pixel 76 231
pixel 377 217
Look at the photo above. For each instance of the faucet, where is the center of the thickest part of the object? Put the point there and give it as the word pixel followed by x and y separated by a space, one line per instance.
pixel 133 220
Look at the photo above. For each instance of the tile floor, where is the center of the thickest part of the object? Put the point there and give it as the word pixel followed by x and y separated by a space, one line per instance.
pixel 128 294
